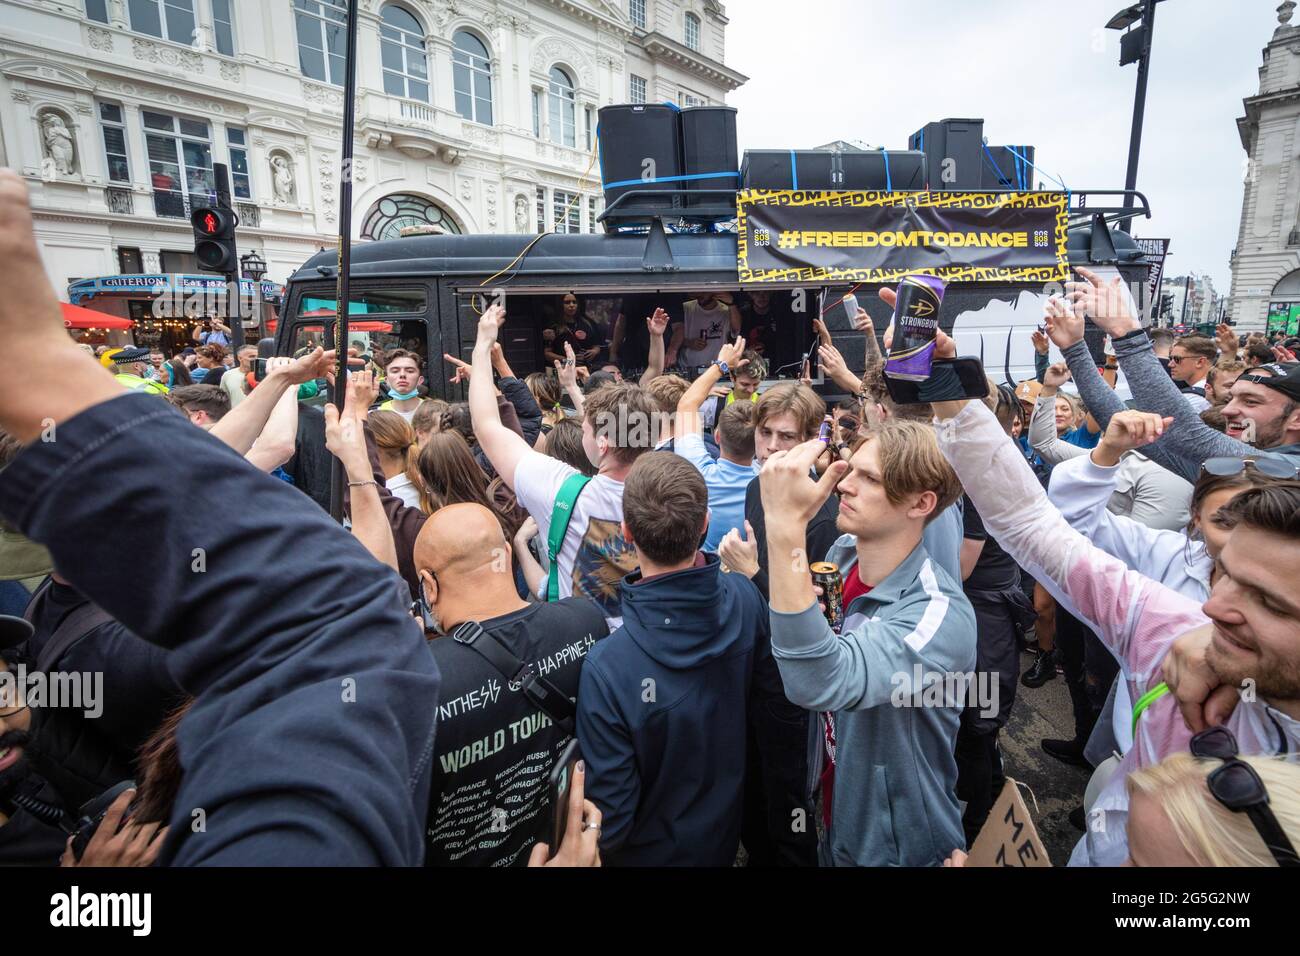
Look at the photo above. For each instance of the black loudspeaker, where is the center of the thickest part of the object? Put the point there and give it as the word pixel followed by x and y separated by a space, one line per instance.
pixel 640 142
pixel 709 146
pixel 1003 169
pixel 954 152
pixel 831 170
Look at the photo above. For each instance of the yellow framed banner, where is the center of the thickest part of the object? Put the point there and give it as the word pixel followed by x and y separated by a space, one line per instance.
pixel 799 236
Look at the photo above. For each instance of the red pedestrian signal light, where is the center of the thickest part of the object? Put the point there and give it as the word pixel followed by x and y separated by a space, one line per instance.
pixel 214 239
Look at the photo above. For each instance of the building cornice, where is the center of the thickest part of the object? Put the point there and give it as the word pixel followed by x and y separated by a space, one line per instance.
pixel 578 11
pixel 669 50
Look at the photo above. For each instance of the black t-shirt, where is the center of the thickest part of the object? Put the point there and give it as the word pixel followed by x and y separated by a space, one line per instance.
pixel 995 570
pixel 775 332
pixel 494 749
pixel 583 336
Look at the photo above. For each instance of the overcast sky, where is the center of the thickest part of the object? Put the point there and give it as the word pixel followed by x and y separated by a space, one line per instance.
pixel 1041 72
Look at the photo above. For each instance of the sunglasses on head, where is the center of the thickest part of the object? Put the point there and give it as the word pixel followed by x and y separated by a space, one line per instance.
pixel 1238 787
pixel 1271 466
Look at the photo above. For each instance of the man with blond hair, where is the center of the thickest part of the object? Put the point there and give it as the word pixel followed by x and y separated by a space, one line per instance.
pixel 895 679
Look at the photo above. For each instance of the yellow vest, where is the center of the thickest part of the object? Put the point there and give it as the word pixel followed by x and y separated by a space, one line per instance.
pixel 731 397
pixel 142 384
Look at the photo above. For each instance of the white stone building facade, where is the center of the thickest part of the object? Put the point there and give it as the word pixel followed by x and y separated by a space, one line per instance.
pixel 474 115
pixel 1266 261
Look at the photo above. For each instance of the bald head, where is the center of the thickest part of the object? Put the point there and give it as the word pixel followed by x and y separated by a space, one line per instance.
pixel 459 539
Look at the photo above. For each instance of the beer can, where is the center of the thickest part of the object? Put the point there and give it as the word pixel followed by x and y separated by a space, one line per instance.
pixel 826 575
pixel 916 324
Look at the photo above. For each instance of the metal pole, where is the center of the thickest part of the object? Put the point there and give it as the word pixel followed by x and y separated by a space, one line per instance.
pixel 1139 103
pixel 1187 294
pixel 341 296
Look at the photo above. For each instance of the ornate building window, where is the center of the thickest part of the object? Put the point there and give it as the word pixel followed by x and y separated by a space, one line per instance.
pixel 472 75
pixel 401 47
pixel 388 217
pixel 563 108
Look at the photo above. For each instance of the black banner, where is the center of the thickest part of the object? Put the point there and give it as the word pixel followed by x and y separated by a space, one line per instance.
pixel 795 236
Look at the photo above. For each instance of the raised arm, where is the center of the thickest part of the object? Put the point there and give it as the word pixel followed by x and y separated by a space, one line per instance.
pixel 345 437
pixel 687 421
pixel 1042 425
pixel 246 421
pixel 1123 604
pixel 261 640
pixel 657 324
pixel 1189 442
pixel 275 445
pixel 837 369
pixel 502 446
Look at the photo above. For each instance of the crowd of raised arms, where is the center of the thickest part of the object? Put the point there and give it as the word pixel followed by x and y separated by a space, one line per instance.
pixel 630 550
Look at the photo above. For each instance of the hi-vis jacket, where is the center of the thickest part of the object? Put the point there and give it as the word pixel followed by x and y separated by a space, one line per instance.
pixel 1137 618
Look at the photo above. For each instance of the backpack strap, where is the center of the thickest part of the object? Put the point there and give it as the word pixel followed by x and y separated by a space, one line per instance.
pixel 561 515
pixel 75 625
pixel 539 691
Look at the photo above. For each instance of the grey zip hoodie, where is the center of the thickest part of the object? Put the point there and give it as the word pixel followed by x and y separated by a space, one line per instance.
pixel 895 776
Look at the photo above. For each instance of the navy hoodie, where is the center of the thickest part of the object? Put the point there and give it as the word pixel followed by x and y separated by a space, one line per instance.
pixel 661 717
pixel 311 736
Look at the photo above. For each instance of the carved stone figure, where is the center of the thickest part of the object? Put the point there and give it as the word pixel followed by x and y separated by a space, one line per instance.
pixel 282 183
pixel 57 140
pixel 521 213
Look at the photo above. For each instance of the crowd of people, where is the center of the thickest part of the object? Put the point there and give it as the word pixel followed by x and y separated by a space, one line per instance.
pixel 780 633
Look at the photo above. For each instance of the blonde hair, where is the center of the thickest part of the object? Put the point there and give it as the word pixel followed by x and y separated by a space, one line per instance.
pixel 910 463
pixel 1209 831
pixel 807 407
pixel 394 435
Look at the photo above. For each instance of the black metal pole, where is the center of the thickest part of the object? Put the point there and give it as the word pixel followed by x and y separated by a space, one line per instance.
pixel 1187 294
pixel 1139 104
pixel 337 476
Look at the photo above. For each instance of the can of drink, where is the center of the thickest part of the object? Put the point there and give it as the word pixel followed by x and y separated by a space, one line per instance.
pixel 916 323
pixel 826 575
pixel 824 433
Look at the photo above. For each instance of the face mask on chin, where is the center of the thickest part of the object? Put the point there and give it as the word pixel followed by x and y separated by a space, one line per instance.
pixel 404 396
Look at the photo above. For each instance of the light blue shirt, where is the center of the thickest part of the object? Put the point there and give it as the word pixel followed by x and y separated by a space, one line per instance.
pixel 726 482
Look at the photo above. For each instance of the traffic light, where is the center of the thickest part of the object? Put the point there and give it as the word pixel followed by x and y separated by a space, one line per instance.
pixel 214 239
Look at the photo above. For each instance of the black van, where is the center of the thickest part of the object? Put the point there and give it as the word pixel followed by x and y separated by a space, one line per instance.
pixel 425 293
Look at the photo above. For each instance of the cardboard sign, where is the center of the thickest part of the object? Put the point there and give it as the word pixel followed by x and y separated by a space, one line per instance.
pixel 1009 837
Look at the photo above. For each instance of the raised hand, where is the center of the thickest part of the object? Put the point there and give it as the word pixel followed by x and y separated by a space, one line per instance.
pixel 1226 339
pixel 1064 326
pixel 739 553
pixel 658 323
pixel 463 369
pixel 731 352
pixel 1041 344
pixel 1106 302
pixel 567 370
pixel 1132 429
pixel 489 324
pixel 787 489
pixel 832 361
pixel 1057 375
pixel 862 322
pixel 823 333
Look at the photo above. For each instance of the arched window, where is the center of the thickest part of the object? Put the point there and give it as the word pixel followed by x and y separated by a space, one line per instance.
pixel 322 39
pixel 692 31
pixel 564 110
pixel 472 73
pixel 388 217
pixel 401 48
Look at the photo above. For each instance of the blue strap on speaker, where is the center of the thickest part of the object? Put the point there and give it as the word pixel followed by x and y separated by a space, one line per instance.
pixel 996 170
pixel 1016 153
pixel 794 172
pixel 889 183
pixel 668 179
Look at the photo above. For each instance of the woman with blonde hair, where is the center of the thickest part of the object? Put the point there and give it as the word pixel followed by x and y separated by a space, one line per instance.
pixel 545 388
pixel 398 452
pixel 1212 807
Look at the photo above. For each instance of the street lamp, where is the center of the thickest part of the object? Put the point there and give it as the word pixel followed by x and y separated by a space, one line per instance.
pixel 1135 47
pixel 253 266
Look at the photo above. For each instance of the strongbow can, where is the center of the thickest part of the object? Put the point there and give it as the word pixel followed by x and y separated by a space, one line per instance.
pixel 826 576
pixel 916 322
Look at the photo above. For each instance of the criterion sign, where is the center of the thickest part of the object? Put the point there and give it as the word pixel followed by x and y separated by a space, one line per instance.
pixel 793 235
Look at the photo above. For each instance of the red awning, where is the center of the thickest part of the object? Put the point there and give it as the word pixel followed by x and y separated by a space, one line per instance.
pixel 353 326
pixel 75 317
